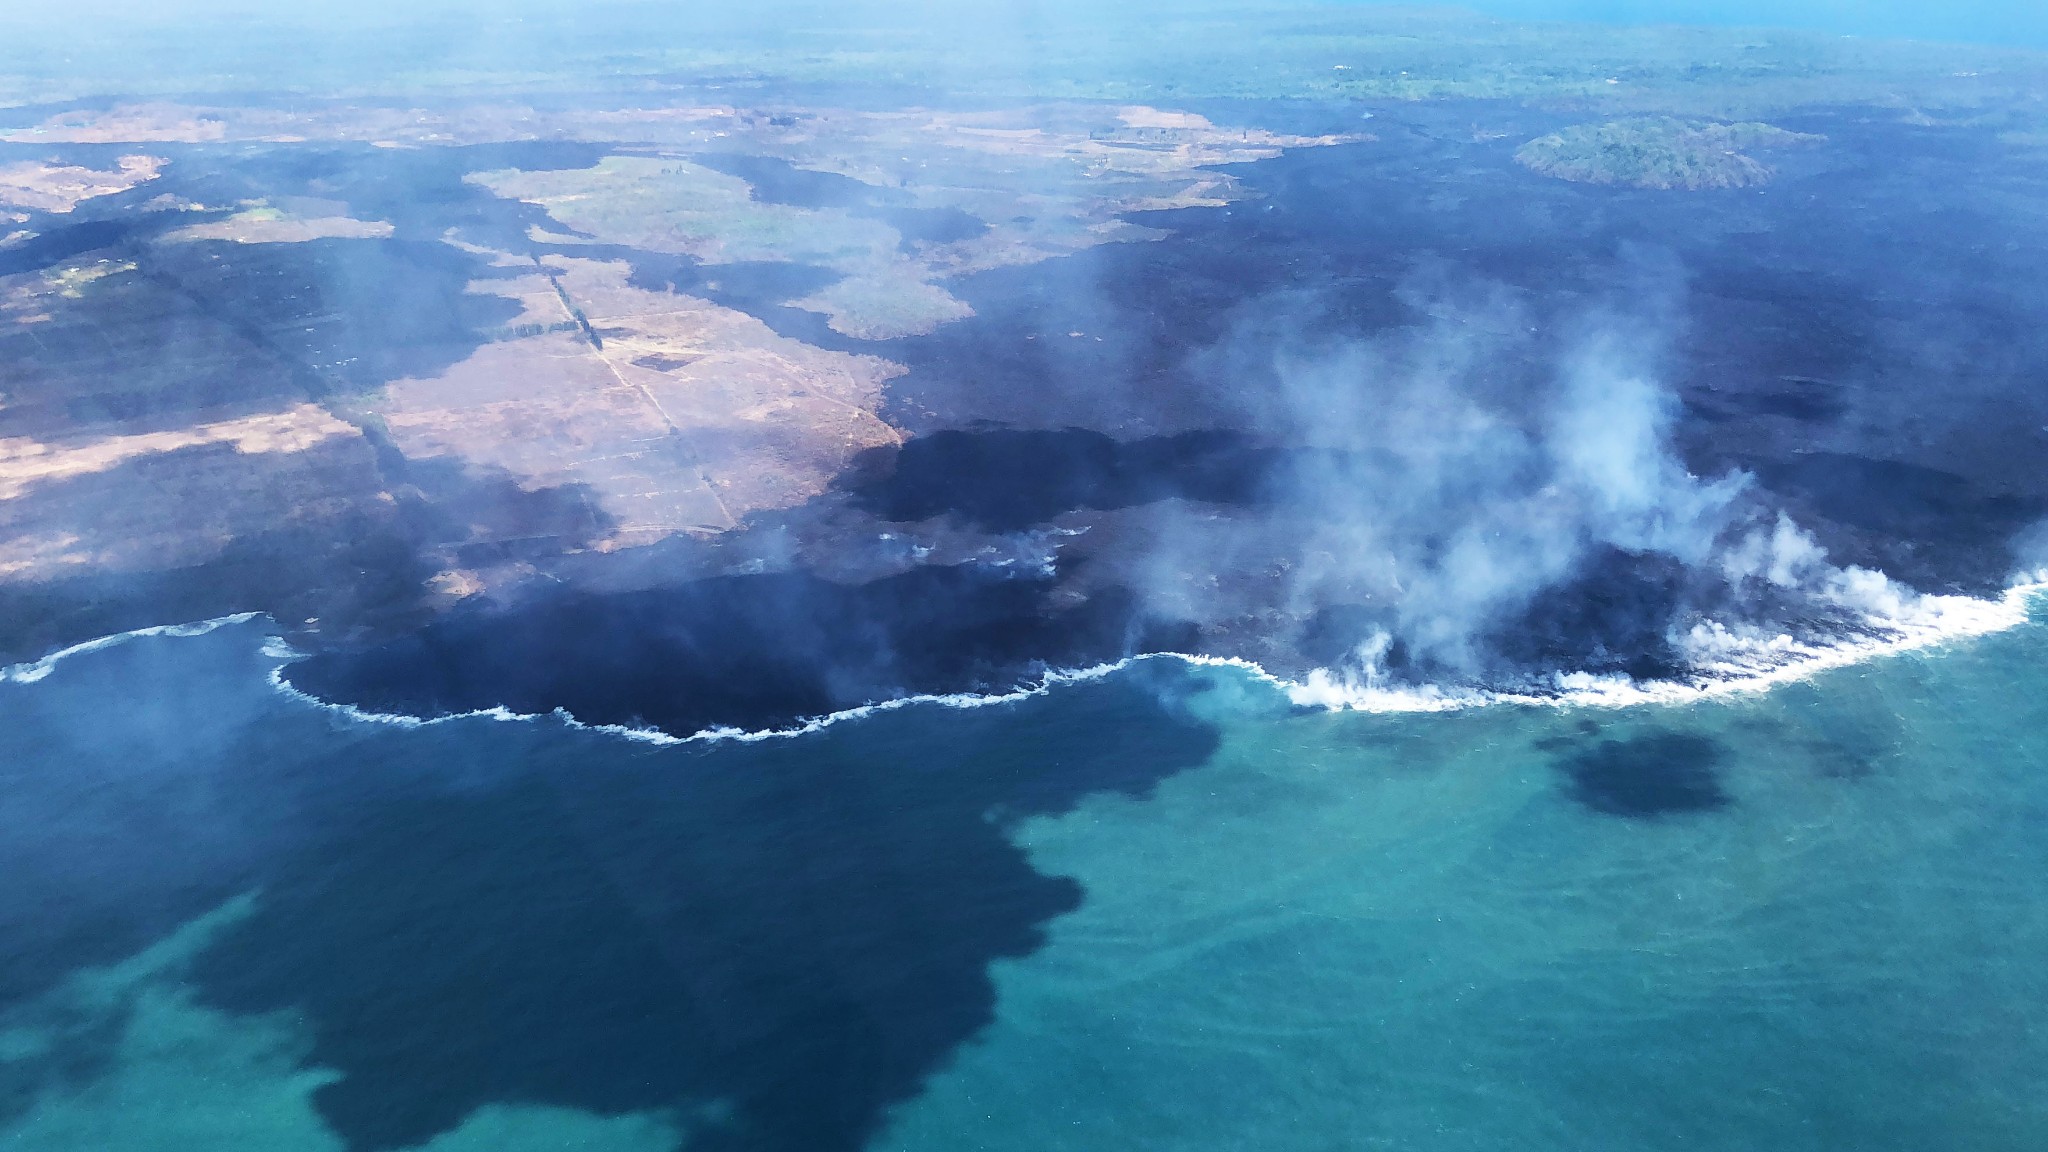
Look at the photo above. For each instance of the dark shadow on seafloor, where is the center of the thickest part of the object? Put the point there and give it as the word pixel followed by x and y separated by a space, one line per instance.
pixel 790 935
pixel 1658 774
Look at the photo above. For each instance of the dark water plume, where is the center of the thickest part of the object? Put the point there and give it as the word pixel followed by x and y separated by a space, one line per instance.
pixel 791 935
pixel 1657 774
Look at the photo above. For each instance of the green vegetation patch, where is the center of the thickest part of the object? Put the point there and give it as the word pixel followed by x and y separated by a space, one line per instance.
pixel 672 205
pixel 1660 152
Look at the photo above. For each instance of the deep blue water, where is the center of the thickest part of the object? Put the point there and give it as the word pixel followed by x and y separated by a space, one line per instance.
pixel 1162 910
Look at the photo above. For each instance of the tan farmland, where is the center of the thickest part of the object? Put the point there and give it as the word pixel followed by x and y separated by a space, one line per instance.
pixel 688 417
pixel 61 188
pixel 25 462
pixel 271 226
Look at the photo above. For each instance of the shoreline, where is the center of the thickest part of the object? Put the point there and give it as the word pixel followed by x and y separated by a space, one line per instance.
pixel 1958 619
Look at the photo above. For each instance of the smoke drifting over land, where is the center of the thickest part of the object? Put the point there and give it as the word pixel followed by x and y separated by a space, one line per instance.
pixel 2032 549
pixel 838 357
pixel 1491 496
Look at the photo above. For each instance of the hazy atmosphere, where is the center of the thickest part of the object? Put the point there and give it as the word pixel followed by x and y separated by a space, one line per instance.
pixel 806 577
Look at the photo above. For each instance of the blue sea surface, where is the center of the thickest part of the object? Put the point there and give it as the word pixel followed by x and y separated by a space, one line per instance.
pixel 2011 23
pixel 1161 910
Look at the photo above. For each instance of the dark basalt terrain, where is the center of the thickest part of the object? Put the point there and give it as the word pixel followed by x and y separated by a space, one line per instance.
pixel 1883 392
pixel 1383 404
pixel 1855 337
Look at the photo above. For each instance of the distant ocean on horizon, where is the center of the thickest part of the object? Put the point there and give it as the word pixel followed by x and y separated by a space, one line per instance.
pixel 1163 909
pixel 2010 23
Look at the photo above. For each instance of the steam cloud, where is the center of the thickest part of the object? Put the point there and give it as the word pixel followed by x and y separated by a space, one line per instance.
pixel 1469 473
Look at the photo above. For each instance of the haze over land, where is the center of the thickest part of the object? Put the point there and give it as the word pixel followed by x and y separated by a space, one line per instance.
pixel 812 577
pixel 1250 345
pixel 2004 22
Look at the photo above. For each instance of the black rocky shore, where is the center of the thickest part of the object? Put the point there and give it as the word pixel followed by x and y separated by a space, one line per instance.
pixel 1850 336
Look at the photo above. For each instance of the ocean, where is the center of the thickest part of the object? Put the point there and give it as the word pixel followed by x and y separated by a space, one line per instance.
pixel 1160 907
pixel 2006 23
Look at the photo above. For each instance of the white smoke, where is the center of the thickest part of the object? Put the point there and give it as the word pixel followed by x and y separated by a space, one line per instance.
pixel 1610 443
pixel 2030 548
pixel 1462 468
pixel 1784 556
pixel 1455 490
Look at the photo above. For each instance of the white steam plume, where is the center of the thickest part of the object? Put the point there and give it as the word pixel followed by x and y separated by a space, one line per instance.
pixel 1458 470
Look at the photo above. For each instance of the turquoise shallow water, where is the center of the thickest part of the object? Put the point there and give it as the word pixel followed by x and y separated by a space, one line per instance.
pixel 1163 911
pixel 1401 932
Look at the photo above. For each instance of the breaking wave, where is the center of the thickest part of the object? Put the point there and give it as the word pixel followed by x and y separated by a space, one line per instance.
pixel 1725 659
pixel 804 727
pixel 36 670
pixel 1729 660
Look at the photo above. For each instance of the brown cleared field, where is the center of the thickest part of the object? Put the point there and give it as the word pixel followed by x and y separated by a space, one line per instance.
pixel 176 504
pixel 265 225
pixel 60 188
pixel 152 422
pixel 684 418
pixel 138 434
pixel 27 463
pixel 1046 181
pixel 93 347
pixel 668 204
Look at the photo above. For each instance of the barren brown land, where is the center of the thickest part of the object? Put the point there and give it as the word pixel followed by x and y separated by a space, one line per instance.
pixel 537 354
pixel 678 416
pixel 660 413
pixel 261 224
pixel 60 188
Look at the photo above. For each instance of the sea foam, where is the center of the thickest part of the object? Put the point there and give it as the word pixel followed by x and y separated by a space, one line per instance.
pixel 803 727
pixel 1727 659
pixel 36 670
pixel 1730 660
